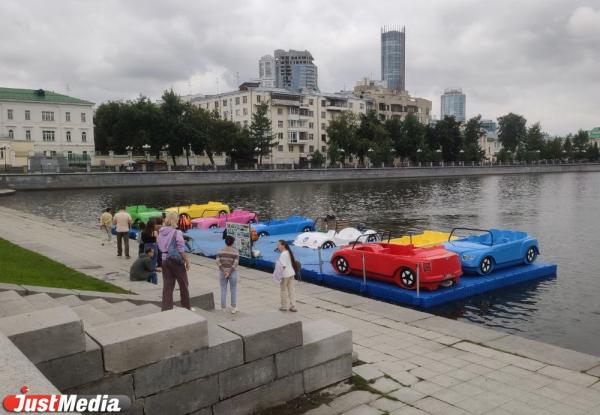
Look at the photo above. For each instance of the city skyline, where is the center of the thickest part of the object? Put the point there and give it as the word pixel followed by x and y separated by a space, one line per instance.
pixel 534 62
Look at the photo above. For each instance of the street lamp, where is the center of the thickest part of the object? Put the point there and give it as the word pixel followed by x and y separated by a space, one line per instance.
pixel 5 148
pixel 146 148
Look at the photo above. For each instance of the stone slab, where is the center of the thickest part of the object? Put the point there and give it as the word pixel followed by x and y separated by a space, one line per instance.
pixel 594 371
pixel 352 400
pixel 12 287
pixel 120 307
pixel 225 350
pixel 41 301
pixel 70 300
pixel 109 385
pixel 143 340
pixel 248 376
pixel 45 334
pixel 343 299
pixel 205 301
pixel 15 307
pixel 553 355
pixel 364 410
pixel 393 312
pixel 459 329
pixel 272 394
pixel 9 296
pixel 53 292
pixel 322 341
pixel 183 399
pixel 110 297
pixel 137 311
pixel 266 334
pixel 99 303
pixel 368 372
pixel 91 316
pixel 327 373
pixel 76 369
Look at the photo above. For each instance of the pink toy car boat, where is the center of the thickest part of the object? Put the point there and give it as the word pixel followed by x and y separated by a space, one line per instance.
pixel 237 216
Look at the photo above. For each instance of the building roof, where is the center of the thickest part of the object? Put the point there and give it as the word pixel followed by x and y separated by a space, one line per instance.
pixel 594 133
pixel 39 95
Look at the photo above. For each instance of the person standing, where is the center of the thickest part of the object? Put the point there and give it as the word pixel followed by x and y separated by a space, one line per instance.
pixel 106 220
pixel 175 263
pixel 227 260
pixel 122 220
pixel 286 267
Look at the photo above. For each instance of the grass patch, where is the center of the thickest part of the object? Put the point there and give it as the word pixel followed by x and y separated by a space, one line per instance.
pixel 22 266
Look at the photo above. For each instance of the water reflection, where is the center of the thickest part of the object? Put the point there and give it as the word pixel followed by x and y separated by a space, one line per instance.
pixel 561 210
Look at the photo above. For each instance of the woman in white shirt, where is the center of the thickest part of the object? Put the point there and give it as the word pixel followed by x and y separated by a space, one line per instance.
pixel 286 266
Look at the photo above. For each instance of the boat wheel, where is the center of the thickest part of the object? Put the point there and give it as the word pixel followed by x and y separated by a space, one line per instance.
pixel 263 233
pixel 327 245
pixel 306 229
pixel 531 255
pixel 486 265
pixel 341 264
pixel 213 226
pixel 222 213
pixel 407 278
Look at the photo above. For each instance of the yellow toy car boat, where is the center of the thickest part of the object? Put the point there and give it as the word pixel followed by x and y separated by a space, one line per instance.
pixel 425 239
pixel 201 211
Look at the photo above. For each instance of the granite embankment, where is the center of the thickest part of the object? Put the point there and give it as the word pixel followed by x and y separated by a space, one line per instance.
pixel 48 181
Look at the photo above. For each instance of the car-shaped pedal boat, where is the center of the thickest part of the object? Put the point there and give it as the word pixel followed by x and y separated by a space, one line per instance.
pixel 484 251
pixel 424 239
pixel 331 238
pixel 201 211
pixel 398 264
pixel 142 213
pixel 237 216
pixel 292 224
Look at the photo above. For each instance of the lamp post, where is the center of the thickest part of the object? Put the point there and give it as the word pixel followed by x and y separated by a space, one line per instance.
pixel 343 152
pixel 146 148
pixel 419 151
pixel 369 153
pixel 129 151
pixel 462 152
pixel 5 149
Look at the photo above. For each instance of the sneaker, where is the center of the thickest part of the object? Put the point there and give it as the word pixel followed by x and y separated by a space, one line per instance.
pixel 233 310
pixel 293 309
pixel 283 309
pixel 119 255
pixel 193 309
pixel 128 257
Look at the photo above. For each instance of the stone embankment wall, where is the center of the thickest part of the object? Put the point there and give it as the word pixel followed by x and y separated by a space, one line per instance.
pixel 174 362
pixel 49 181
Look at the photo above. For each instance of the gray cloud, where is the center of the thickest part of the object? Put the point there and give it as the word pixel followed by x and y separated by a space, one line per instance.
pixel 538 58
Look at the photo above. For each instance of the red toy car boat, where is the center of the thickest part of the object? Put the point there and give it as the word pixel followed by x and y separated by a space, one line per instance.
pixel 398 264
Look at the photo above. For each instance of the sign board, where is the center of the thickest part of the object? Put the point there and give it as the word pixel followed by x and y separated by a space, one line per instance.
pixel 241 233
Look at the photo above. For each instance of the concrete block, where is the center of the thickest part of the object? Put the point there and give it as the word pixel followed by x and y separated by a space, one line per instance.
pixel 184 398
pixel 368 372
pixel 15 307
pixel 327 373
pixel 99 304
pixel 143 340
pixel 552 355
pixel 272 394
pixel 595 371
pixel 204 301
pixel 392 312
pixel 465 331
pixel 53 292
pixel 225 350
pixel 70 300
pixel 41 301
pixel 249 376
pixel 322 341
pixel 137 311
pixel 91 316
pixel 108 385
pixel 120 307
pixel 9 296
pixel 266 334
pixel 12 287
pixel 76 369
pixel 109 297
pixel 45 334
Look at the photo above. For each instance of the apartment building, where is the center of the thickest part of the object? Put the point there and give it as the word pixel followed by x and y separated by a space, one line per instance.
pixel 299 120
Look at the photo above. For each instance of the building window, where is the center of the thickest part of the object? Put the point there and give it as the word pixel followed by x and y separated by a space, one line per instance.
pixel 245 123
pixel 225 114
pixel 10 114
pixel 224 102
pixel 279 111
pixel 311 149
pixel 237 113
pixel 216 104
pixel 68 136
pixel 324 138
pixel 27 115
pixel 11 134
pixel 258 98
pixel 280 136
pixel 311 125
pixel 362 106
pixel 48 135
pixel 67 116
pixel 323 114
pixel 83 137
pixel 279 148
pixel 291 149
pixel 84 152
pixel 301 148
pixel 350 105
pixel 47 116
pixel 53 153
pixel 280 124
pixel 323 149
pixel 245 111
pixel 237 100
pixel 28 135
pixel 310 101
pixel 311 136
pixel 244 99
pixel 323 103
pixel 322 126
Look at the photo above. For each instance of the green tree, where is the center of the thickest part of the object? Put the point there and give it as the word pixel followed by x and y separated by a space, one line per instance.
pixel 408 136
pixel 261 133
pixel 343 136
pixel 568 147
pixel 174 134
pixel 534 143
pixel 447 135
pixel 552 149
pixel 511 131
pixel 472 134
pixel 373 139
pixel 593 153
pixel 580 143
pixel 318 159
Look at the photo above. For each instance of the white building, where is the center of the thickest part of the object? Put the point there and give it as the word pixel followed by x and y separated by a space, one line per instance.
pixel 266 71
pixel 46 122
pixel 299 120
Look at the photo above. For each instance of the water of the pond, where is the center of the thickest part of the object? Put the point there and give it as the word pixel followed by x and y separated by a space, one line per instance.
pixel 561 210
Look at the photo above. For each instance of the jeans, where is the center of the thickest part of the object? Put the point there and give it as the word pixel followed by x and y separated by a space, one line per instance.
pixel 153 278
pixel 122 238
pixel 232 280
pixel 106 235
pixel 155 256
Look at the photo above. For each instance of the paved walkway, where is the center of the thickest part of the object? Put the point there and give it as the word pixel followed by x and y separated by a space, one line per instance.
pixel 418 363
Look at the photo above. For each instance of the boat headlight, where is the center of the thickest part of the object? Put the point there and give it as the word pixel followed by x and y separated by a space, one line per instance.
pixel 467 257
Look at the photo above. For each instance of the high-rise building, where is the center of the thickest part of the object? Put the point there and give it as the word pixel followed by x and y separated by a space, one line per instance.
pixel 393 57
pixel 454 103
pixel 266 71
pixel 285 61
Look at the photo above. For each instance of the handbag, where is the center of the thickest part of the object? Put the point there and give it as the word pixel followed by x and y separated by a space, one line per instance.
pixel 173 252
pixel 278 272
pixel 298 270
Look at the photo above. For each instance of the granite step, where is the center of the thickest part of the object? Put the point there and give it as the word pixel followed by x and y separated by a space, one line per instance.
pixel 42 301
pixel 70 300
pixel 99 304
pixel 138 311
pixel 91 316
pixel 119 307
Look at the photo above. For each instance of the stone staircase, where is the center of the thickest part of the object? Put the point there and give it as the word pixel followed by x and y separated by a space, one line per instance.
pixel 177 362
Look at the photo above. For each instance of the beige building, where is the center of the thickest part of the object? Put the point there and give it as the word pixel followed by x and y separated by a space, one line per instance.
pixel 299 120
pixel 393 104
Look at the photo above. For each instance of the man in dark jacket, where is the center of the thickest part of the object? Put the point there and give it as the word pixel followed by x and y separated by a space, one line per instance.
pixel 141 269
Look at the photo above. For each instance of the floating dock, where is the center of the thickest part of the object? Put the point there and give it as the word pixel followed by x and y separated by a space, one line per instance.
pixel 319 270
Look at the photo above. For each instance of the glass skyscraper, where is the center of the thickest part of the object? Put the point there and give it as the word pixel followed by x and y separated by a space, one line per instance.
pixel 393 57
pixel 454 103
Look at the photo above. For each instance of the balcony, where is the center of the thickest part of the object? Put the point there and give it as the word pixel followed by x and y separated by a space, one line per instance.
pixel 285 102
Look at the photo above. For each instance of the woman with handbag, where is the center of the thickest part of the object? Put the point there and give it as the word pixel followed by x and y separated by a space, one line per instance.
pixel 285 271
pixel 175 263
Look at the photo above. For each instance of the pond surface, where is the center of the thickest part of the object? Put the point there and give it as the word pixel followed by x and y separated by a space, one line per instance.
pixel 561 210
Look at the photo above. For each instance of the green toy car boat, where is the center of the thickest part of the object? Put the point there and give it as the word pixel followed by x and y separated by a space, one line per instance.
pixel 142 213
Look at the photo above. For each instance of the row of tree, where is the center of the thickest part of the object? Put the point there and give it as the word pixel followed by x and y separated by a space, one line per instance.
pixel 179 128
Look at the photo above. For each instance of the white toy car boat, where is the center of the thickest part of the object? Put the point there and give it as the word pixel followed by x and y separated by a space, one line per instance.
pixel 331 239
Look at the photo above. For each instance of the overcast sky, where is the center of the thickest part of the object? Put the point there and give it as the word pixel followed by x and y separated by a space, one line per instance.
pixel 539 58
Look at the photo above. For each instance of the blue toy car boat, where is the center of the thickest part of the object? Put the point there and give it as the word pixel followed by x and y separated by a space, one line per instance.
pixel 292 224
pixel 487 250
pixel 133 232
